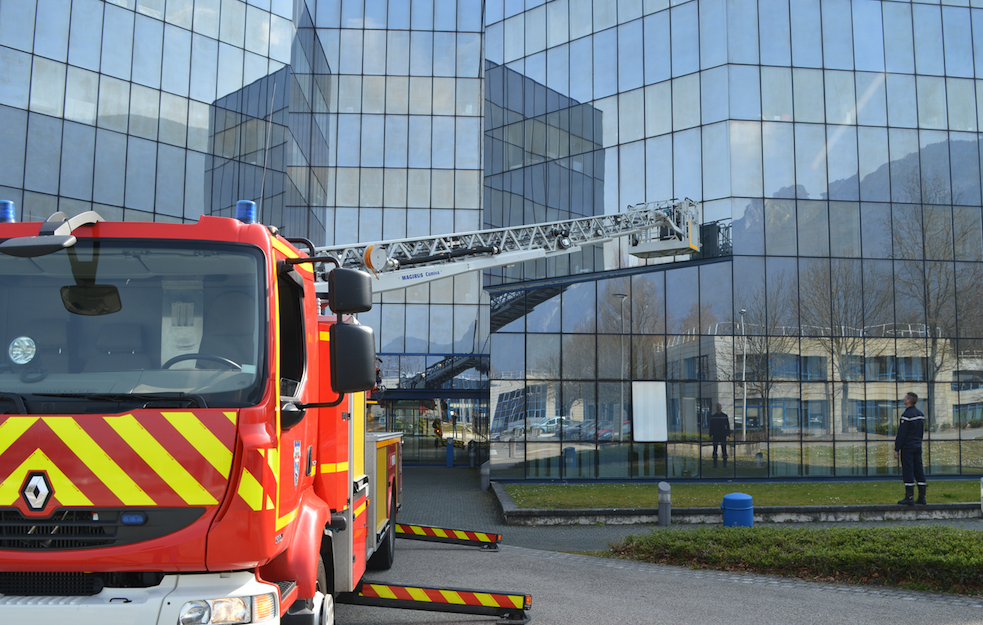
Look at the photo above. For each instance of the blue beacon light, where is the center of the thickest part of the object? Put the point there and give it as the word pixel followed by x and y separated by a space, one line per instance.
pixel 246 211
pixel 7 212
pixel 133 518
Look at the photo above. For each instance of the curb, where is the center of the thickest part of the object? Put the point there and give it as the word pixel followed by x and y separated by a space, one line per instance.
pixel 762 514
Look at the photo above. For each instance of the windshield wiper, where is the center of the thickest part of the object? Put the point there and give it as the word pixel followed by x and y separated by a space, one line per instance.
pixel 195 400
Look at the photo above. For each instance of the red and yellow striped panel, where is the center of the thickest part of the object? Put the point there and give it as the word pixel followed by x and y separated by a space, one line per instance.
pixel 446 596
pixel 147 458
pixel 424 531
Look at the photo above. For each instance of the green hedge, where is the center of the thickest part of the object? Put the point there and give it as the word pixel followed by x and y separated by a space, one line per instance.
pixel 940 558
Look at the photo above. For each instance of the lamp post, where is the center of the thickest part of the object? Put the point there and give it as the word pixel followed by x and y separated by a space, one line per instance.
pixel 744 379
pixel 621 384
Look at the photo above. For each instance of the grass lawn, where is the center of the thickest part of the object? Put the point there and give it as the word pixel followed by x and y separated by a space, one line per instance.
pixel 921 558
pixel 569 496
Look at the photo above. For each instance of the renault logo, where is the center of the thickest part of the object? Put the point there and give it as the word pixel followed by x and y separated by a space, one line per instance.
pixel 36 491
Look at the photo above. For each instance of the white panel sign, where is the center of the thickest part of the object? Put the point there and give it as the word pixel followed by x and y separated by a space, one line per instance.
pixel 649 422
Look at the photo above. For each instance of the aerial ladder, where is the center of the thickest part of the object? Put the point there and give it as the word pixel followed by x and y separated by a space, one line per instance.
pixel 654 229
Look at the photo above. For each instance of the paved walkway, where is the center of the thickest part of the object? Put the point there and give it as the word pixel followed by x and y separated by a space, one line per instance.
pixel 452 498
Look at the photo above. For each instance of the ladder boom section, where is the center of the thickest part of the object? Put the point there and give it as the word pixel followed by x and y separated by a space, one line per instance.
pixel 401 263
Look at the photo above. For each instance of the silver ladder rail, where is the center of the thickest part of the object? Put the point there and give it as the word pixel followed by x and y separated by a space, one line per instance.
pixel 656 229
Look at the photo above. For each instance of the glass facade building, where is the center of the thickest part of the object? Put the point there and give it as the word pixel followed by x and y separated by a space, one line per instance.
pixel 837 142
pixel 834 146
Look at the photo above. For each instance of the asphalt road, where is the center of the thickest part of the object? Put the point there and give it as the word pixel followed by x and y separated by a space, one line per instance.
pixel 573 589
pixel 582 590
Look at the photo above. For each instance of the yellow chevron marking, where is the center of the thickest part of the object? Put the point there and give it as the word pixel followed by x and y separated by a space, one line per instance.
pixel 325 336
pixel 160 460
pixel 418 594
pixel 286 519
pixel 418 530
pixel 12 429
pixel 452 597
pixel 273 459
pixel 231 416
pixel 98 461
pixel 251 491
pixel 334 467
pixel 192 429
pixel 461 535
pixel 486 599
pixel 383 591
pixel 65 491
pixel 440 532
pixel 269 503
pixel 360 509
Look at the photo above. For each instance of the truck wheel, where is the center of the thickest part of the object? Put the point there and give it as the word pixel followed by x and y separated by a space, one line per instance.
pixel 382 559
pixel 326 615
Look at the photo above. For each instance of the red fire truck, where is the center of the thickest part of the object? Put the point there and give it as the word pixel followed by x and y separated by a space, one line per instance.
pixel 182 429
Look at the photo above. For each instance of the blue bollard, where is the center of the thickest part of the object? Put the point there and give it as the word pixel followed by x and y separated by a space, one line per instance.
pixel 450 452
pixel 738 510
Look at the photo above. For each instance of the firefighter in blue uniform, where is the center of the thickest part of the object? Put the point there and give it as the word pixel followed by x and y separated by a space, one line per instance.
pixel 908 445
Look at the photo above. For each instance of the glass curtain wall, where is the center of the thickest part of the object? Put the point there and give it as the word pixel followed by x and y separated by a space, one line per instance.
pixel 146 110
pixel 405 161
pixel 841 141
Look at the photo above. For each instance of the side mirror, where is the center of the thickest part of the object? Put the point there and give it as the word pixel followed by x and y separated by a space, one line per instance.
pixel 349 291
pixel 352 353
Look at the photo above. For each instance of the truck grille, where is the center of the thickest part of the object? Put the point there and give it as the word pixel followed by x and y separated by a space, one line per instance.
pixel 50 584
pixel 45 584
pixel 65 529
pixel 87 529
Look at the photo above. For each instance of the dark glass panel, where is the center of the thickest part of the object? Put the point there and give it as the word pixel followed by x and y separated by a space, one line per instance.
pixel 682 309
pixel 648 314
pixel 578 356
pixel 716 299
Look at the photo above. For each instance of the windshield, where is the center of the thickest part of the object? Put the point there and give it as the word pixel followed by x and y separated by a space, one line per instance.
pixel 110 325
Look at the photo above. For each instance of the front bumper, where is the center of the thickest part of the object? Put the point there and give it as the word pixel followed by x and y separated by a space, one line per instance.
pixel 160 604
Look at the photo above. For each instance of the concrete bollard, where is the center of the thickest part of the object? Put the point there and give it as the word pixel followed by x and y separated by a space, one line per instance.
pixel 665 504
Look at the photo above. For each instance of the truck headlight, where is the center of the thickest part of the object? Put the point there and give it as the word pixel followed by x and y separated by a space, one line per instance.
pixel 194 612
pixel 228 610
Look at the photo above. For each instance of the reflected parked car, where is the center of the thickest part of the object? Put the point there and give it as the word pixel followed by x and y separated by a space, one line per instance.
pixel 579 430
pixel 552 425
pixel 606 432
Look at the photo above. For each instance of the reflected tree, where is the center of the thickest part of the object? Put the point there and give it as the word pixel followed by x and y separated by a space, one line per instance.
pixel 609 308
pixel 835 311
pixel 924 240
pixel 768 334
